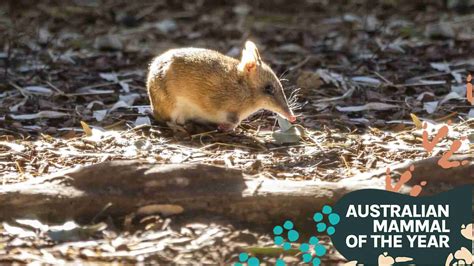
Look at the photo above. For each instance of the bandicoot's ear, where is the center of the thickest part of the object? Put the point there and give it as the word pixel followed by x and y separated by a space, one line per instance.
pixel 250 57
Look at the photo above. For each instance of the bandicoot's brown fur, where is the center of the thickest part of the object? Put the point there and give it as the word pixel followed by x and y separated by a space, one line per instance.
pixel 204 85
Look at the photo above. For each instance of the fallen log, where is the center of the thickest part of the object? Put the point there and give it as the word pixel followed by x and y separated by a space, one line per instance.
pixel 429 170
pixel 118 188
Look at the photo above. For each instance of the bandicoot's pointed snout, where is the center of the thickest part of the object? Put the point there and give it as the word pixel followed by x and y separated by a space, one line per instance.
pixel 288 114
pixel 292 118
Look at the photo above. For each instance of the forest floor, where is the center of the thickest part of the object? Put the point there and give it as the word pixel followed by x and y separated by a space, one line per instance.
pixel 72 92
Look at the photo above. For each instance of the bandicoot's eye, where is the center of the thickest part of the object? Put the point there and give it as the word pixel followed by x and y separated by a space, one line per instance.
pixel 269 89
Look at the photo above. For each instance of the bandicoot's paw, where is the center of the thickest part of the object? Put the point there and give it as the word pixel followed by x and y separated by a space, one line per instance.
pixel 226 127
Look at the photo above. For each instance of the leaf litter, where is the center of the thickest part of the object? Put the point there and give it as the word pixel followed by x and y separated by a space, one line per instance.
pixel 73 93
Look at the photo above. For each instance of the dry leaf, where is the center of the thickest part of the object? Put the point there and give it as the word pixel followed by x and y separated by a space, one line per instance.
pixel 17 148
pixel 443 67
pixel 367 80
pixel 99 115
pixel 142 120
pixel 369 106
pixel 109 77
pixel 42 114
pixel 86 128
pixel 430 107
pixel 18 231
pixel 38 90
pixel 450 96
pixel 416 121
pixel 288 133
pixel 70 231
pixel 33 223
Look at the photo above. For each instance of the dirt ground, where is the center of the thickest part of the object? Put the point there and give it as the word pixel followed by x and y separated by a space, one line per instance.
pixel 362 75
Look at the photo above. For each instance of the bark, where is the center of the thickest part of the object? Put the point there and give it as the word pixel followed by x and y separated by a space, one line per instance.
pixel 118 188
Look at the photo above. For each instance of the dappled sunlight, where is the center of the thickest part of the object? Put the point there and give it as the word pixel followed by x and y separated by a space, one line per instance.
pixel 284 108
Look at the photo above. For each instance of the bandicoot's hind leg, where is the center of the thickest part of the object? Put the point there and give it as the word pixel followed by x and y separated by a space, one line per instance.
pixel 160 111
pixel 160 100
pixel 160 103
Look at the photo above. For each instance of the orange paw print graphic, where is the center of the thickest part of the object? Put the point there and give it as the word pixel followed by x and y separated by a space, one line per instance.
pixel 404 178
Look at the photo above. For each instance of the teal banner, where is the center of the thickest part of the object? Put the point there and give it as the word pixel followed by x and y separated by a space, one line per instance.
pixel 378 225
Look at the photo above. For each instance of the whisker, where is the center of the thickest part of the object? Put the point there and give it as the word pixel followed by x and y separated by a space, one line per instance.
pixel 284 72
pixel 293 99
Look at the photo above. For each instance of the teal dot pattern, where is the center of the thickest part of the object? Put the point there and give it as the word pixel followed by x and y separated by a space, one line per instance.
pixel 282 232
pixel 307 257
pixel 304 247
pixel 331 230
pixel 285 235
pixel 332 218
pixel 325 220
pixel 327 209
pixel 280 262
pixel 245 258
pixel 313 240
pixel 253 262
pixel 312 251
pixel 278 240
pixel 318 217
pixel 277 230
pixel 316 262
pixel 288 225
pixel 291 235
pixel 321 227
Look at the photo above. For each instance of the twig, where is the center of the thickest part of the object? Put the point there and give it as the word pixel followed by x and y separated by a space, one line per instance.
pixel 382 77
pixel 203 134
pixel 226 144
